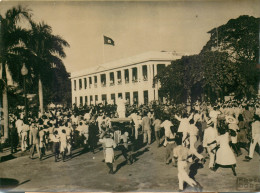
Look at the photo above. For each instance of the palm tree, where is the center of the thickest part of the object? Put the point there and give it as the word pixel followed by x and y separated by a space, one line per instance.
pixel 11 45
pixel 46 53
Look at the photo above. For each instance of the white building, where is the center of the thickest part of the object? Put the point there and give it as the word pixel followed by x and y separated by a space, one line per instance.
pixel 130 78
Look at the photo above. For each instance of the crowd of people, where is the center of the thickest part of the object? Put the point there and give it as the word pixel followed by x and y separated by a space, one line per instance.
pixel 215 132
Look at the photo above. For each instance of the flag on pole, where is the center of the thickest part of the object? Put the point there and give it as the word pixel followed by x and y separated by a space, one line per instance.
pixel 108 41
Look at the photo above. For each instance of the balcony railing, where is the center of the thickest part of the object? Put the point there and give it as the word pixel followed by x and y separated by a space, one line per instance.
pixel 111 84
pixel 103 84
pixel 95 85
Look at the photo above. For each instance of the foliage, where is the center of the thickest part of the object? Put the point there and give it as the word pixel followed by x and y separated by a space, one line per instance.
pixel 240 39
pixel 11 42
pixel 45 61
pixel 226 64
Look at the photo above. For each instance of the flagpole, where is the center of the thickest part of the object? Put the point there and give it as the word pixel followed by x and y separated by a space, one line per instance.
pixel 103 51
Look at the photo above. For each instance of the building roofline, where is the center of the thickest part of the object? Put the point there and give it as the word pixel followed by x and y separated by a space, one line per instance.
pixel 97 72
pixel 138 59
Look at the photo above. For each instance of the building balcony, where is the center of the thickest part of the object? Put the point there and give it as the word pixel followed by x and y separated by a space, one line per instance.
pixel 103 85
pixel 95 85
pixel 112 84
pixel 127 81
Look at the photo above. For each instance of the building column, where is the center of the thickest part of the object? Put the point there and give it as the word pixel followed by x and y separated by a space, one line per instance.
pixel 107 79
pixel 140 97
pixel 149 74
pixel 123 76
pixel 130 75
pixel 139 73
pixel 115 78
pixel 131 98
pixel 98 81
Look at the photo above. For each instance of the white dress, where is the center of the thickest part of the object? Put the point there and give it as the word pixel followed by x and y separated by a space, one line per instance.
pixel 109 145
pixel 225 155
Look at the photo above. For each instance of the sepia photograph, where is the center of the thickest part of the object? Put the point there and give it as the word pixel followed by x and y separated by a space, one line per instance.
pixel 129 96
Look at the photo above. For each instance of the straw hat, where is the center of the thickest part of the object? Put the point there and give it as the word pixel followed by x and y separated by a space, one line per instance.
pixel 231 120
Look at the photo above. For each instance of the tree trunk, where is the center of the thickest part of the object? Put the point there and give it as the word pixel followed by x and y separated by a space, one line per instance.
pixel 5 102
pixel 40 95
pixel 5 110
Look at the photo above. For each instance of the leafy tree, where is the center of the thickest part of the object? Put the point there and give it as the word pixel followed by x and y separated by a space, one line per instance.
pixel 209 73
pixel 240 39
pixel 11 45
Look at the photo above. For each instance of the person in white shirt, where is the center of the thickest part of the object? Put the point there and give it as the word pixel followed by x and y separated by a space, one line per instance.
pixel 255 136
pixel 167 129
pixel 100 120
pixel 182 154
pixel 24 135
pixel 213 114
pixel 63 142
pixel 210 135
pixel 109 149
pixel 87 116
pixel 19 126
pixel 121 107
pixel 193 132
pixel 68 131
pixel 184 125
pixel 84 132
pixel 232 125
pixel 56 144
pixel 134 117
pixel 74 120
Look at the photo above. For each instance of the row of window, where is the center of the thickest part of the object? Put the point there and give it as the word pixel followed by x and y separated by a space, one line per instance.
pixel 89 100
pixel 93 81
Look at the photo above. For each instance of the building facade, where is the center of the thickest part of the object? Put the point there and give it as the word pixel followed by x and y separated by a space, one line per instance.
pixel 130 79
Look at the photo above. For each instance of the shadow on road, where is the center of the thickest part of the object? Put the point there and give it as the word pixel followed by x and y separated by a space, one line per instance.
pixel 7 158
pixel 139 153
pixel 9 183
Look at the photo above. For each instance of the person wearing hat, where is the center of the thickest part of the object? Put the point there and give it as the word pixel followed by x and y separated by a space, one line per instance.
pixel 106 139
pixel 210 135
pixel 232 125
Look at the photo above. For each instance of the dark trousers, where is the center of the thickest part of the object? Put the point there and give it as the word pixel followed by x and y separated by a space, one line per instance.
pixel 56 149
pixel 157 137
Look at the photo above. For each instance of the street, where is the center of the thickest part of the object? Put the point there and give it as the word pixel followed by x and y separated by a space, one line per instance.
pixel 87 172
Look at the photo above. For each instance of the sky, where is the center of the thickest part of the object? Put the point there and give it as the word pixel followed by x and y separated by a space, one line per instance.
pixel 135 26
